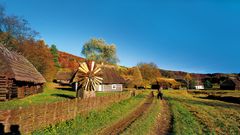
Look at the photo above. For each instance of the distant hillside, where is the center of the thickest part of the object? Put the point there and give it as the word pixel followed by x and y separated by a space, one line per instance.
pixel 182 74
pixel 67 60
pixel 197 76
pixel 70 61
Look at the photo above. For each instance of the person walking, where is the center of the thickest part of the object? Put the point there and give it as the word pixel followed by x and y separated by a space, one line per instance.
pixel 160 94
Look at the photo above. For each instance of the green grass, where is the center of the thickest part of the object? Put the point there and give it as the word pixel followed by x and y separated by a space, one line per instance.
pixel 145 124
pixel 108 93
pixel 202 116
pixel 94 121
pixel 50 94
pixel 184 121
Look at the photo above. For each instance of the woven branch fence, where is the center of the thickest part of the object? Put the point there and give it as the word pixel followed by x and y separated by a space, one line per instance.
pixel 40 116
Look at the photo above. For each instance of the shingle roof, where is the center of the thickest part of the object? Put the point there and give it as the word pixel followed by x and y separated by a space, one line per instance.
pixel 64 75
pixel 110 76
pixel 236 81
pixel 18 67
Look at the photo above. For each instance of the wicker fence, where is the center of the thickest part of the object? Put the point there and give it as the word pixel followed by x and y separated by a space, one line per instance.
pixel 39 116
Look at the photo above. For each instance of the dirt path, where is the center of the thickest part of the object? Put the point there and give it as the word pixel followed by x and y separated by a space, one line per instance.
pixel 164 121
pixel 122 125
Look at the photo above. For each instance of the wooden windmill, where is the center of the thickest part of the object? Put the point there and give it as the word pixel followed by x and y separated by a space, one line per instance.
pixel 87 79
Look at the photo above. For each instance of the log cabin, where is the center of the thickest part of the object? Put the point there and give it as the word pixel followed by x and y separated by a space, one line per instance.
pixel 18 77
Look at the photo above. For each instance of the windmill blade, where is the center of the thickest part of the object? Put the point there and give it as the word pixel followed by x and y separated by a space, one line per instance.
pixel 92 86
pixel 97 80
pixel 83 69
pixel 87 76
pixel 92 65
pixel 83 81
pixel 87 84
pixel 100 78
pixel 96 70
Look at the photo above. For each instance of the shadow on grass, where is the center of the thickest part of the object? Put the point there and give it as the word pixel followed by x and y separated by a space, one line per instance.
pixel 209 103
pixel 225 99
pixel 66 89
pixel 63 95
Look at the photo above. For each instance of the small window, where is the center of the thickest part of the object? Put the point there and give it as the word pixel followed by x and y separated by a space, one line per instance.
pixel 114 86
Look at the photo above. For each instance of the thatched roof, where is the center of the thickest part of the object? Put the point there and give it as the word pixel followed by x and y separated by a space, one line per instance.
pixel 17 67
pixel 110 76
pixel 171 81
pixel 231 81
pixel 64 75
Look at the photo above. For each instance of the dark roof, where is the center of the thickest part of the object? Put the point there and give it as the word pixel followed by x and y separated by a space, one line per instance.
pixel 231 81
pixel 18 67
pixel 110 76
pixel 236 81
pixel 64 75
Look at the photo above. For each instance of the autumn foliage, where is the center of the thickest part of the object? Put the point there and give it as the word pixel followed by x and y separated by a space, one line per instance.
pixel 69 61
pixel 38 53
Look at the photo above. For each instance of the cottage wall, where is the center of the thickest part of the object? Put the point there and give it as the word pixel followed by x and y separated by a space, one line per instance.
pixel 13 93
pixel 28 89
pixel 199 87
pixel 110 87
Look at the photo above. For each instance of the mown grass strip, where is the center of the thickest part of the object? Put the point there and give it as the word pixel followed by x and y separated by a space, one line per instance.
pixel 95 120
pixel 145 124
pixel 183 121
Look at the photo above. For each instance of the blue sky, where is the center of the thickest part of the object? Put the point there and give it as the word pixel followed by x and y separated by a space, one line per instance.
pixel 200 36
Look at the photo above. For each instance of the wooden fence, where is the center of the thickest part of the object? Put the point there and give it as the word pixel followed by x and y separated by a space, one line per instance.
pixel 39 116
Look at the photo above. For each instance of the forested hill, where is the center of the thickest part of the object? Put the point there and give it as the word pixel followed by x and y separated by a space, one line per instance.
pixel 67 60
pixel 198 76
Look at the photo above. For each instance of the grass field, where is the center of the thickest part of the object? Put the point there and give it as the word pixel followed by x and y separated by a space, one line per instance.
pixel 202 116
pixel 231 96
pixel 50 94
pixel 95 120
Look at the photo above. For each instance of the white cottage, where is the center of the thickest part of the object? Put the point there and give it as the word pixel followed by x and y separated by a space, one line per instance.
pixel 199 87
pixel 111 80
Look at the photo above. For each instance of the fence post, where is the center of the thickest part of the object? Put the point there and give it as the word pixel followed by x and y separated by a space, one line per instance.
pixel 33 118
pixel 68 114
pixel 45 114
pixel 63 112
pixel 75 108
pixel 54 113
pixel 88 106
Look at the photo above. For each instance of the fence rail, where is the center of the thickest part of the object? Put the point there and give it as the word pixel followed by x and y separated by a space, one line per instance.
pixel 40 116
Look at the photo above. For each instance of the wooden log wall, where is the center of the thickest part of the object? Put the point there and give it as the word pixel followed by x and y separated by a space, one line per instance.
pixel 3 88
